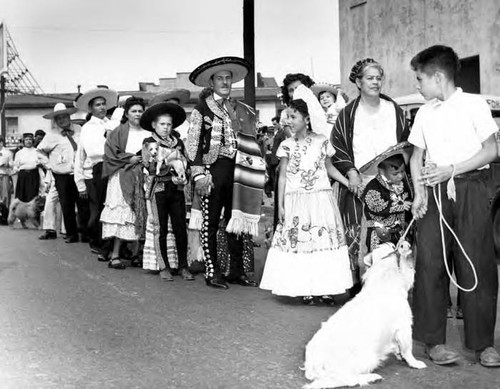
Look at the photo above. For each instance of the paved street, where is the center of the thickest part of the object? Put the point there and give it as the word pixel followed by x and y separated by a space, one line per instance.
pixel 70 322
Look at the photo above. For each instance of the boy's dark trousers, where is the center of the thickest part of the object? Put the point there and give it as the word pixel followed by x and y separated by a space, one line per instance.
pixel 470 218
pixel 171 203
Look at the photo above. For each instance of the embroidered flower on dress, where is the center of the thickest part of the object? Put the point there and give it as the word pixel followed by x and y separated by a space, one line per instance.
pixel 309 178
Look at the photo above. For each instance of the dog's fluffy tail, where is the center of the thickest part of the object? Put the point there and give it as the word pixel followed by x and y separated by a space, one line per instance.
pixel 12 211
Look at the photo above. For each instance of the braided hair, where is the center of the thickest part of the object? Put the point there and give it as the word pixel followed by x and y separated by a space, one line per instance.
pixel 300 106
pixel 360 66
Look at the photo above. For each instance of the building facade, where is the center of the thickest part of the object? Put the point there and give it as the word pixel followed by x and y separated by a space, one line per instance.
pixel 393 31
pixel 24 113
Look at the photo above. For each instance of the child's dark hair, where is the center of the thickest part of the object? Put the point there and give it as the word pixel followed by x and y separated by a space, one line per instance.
pixel 129 103
pixel 291 77
pixel 437 57
pixel 394 162
pixel 300 106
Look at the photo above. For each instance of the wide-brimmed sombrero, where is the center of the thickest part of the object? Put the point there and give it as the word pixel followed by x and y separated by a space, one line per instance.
pixel 403 148
pixel 181 95
pixel 238 67
pixel 60 109
pixel 110 95
pixel 176 111
pixel 324 87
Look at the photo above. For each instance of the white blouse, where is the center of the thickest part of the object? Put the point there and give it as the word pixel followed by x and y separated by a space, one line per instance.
pixel 374 132
pixel 26 159
pixel 135 138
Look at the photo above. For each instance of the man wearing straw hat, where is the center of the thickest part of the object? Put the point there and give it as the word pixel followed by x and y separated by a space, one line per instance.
pixel 60 147
pixel 90 155
pixel 227 166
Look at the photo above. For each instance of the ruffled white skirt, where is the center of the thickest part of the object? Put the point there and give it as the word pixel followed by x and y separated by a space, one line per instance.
pixel 308 255
pixel 118 219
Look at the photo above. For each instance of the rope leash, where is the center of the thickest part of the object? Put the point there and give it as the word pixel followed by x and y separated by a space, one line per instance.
pixel 442 220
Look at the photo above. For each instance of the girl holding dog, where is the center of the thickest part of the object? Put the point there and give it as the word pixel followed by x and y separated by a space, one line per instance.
pixel 308 256
pixel 166 195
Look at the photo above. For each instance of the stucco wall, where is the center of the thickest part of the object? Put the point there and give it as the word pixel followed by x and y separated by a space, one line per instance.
pixel 393 31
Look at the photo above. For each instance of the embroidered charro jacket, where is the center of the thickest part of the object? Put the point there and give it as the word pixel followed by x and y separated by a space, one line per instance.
pixel 213 134
pixel 384 207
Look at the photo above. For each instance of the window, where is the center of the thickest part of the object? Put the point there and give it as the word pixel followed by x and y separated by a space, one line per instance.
pixel 468 78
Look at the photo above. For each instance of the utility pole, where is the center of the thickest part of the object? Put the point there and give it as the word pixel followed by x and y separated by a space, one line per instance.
pixel 249 50
pixel 3 131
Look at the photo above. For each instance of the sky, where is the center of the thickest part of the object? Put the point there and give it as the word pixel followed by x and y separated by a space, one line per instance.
pixel 119 43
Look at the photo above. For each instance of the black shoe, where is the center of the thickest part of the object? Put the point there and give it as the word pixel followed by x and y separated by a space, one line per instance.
pixel 72 239
pixel 241 280
pixel 48 234
pixel 216 283
pixel 85 239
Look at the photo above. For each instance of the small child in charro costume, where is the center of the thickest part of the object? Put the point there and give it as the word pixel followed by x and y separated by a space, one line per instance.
pixel 165 189
pixel 387 197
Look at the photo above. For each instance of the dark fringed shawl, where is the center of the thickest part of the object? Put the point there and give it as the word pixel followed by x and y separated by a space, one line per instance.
pixel 131 177
pixel 343 133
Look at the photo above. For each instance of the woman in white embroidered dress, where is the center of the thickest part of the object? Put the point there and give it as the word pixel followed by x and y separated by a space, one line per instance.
pixel 308 256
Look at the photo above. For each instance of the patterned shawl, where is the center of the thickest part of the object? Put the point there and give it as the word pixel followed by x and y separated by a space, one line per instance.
pixel 116 160
pixel 343 133
pixel 249 172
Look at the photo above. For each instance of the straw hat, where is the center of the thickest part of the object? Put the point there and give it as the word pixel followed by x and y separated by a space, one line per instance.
pixel 324 87
pixel 238 67
pixel 60 109
pixel 110 95
pixel 403 148
pixel 176 111
pixel 181 95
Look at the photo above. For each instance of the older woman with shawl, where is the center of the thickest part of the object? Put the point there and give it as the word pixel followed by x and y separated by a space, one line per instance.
pixel 365 128
pixel 124 214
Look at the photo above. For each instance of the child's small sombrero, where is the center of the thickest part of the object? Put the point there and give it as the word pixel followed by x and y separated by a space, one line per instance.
pixel 403 148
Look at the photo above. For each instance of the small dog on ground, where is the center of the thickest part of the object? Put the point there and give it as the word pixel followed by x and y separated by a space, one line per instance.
pixel 362 334
pixel 26 211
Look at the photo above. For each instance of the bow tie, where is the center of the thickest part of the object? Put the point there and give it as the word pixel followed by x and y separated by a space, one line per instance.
pixel 67 132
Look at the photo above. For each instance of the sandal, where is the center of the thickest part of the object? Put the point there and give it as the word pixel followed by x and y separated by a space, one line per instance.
pixel 136 261
pixel 308 300
pixel 116 263
pixel 327 299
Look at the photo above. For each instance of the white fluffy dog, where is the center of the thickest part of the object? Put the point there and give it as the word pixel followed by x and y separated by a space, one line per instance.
pixel 377 322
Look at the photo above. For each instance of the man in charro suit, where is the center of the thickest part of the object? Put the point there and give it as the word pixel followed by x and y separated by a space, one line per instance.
pixel 227 166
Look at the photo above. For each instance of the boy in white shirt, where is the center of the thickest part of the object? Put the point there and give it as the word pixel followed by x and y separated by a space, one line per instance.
pixel 454 134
